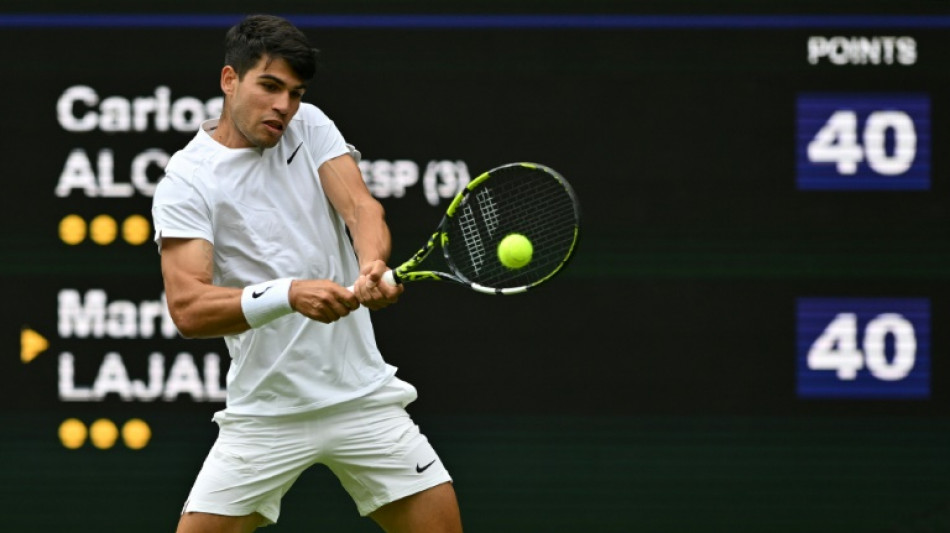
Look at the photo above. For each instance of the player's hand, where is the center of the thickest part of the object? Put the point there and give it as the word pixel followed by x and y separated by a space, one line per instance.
pixel 372 291
pixel 322 300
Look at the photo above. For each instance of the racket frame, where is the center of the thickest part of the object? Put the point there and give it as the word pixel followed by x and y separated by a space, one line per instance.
pixel 406 271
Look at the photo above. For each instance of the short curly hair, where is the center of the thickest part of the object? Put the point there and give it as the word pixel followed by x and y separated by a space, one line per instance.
pixel 267 35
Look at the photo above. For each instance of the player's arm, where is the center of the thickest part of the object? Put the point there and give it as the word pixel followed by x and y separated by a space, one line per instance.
pixel 365 218
pixel 198 308
pixel 201 309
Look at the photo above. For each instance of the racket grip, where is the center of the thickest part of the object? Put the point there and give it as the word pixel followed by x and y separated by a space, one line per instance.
pixel 388 277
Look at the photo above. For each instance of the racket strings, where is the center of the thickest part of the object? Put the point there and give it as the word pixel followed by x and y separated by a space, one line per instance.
pixel 474 245
pixel 489 213
pixel 519 199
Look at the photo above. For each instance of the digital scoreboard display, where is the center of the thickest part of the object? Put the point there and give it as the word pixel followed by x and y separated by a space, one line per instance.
pixel 864 348
pixel 748 338
pixel 864 142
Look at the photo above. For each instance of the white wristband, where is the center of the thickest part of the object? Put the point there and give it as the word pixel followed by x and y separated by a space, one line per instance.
pixel 266 301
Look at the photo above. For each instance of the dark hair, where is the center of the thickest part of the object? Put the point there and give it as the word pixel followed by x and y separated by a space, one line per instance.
pixel 266 35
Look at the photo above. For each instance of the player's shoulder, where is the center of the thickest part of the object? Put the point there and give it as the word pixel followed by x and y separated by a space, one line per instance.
pixel 198 154
pixel 309 115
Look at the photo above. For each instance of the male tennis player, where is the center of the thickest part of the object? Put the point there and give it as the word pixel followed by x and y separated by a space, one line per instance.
pixel 251 220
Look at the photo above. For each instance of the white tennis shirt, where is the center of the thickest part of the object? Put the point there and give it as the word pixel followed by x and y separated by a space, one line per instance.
pixel 267 216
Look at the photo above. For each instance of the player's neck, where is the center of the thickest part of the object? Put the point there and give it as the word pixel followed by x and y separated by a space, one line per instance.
pixel 227 134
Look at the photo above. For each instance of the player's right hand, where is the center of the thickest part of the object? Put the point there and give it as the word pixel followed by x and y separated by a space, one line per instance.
pixel 322 300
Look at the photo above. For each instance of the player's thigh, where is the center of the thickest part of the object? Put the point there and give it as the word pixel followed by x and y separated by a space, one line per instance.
pixel 381 456
pixel 434 510
pixel 214 523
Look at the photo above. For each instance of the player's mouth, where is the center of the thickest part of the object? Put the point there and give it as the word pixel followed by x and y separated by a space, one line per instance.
pixel 274 126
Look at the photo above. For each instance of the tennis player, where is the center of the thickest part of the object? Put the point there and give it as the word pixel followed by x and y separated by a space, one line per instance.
pixel 251 219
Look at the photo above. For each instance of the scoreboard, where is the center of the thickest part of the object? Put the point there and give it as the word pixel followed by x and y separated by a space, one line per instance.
pixel 749 336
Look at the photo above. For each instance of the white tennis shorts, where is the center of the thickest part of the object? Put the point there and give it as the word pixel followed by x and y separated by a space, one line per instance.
pixel 371 444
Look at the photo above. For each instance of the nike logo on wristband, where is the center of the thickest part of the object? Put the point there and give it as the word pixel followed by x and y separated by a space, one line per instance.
pixel 421 469
pixel 256 294
pixel 291 158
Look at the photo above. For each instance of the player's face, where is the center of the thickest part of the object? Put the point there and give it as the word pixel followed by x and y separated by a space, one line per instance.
pixel 260 105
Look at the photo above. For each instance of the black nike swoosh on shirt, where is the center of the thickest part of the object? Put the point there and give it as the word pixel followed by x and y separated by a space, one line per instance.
pixel 421 469
pixel 291 158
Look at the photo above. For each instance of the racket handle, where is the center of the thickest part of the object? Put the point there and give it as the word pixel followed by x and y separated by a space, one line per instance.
pixel 388 277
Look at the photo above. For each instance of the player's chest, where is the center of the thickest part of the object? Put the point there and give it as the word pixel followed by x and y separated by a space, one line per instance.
pixel 273 186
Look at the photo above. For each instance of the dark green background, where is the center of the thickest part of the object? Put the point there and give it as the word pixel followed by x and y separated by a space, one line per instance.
pixel 651 387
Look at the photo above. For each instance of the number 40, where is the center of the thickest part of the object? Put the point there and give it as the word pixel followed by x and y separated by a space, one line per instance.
pixel 837 347
pixel 837 142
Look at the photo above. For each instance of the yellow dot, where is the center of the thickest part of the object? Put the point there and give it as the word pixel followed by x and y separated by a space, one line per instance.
pixel 72 433
pixel 135 229
pixel 103 229
pixel 103 433
pixel 72 229
pixel 136 434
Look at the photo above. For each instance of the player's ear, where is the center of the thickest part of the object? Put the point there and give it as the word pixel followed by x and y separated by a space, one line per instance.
pixel 229 79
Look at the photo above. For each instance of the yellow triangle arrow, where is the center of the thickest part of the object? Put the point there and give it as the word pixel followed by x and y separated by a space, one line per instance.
pixel 31 344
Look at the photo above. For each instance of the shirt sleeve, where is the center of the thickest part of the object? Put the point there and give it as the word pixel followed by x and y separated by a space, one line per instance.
pixel 324 138
pixel 179 210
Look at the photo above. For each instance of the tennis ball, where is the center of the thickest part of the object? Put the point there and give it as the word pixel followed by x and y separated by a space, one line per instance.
pixel 514 251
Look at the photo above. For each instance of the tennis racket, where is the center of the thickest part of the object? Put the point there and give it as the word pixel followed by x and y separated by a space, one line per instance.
pixel 518 198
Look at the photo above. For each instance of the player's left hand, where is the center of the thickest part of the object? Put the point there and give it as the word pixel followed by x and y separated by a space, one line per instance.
pixel 372 291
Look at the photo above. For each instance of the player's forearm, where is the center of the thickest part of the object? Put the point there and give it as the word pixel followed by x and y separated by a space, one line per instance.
pixel 208 312
pixel 371 237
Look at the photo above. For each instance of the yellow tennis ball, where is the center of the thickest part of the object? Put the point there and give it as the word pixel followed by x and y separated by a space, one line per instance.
pixel 514 251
